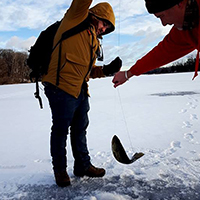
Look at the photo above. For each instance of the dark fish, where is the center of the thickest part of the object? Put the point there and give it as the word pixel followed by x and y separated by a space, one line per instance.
pixel 120 154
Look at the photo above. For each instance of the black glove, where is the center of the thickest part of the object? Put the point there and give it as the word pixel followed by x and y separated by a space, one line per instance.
pixel 113 67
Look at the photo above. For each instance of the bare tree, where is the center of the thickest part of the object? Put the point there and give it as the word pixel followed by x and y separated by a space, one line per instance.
pixel 13 67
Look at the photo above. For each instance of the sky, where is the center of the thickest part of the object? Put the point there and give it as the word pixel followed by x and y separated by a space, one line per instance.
pixel 136 31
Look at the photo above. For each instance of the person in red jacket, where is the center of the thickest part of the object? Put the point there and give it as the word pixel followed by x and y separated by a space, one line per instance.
pixel 183 38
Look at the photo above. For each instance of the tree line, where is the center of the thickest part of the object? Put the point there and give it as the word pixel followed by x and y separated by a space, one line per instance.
pixel 177 67
pixel 14 69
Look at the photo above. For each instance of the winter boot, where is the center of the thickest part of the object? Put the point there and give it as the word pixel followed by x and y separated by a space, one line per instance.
pixel 91 171
pixel 62 178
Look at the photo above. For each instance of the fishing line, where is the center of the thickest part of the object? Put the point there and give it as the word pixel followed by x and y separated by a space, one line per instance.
pixel 124 118
pixel 119 96
pixel 119 20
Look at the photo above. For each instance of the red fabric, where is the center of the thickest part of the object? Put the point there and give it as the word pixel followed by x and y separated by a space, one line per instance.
pixel 174 46
pixel 197 57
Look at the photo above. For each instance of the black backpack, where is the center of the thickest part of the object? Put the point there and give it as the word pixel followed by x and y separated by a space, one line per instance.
pixel 40 53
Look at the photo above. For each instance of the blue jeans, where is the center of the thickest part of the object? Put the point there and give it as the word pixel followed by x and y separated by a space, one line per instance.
pixel 68 111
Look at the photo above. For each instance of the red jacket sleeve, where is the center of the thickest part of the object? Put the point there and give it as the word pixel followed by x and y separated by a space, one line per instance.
pixel 175 45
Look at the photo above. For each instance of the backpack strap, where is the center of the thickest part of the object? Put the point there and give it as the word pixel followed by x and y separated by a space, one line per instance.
pixel 91 52
pixel 75 30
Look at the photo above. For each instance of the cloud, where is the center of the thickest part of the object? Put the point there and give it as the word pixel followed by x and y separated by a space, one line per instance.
pixel 17 43
pixel 30 14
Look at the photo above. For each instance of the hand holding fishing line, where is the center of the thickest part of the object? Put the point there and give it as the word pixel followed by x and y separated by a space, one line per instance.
pixel 121 77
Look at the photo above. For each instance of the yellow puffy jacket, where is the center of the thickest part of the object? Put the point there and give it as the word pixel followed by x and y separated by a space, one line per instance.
pixel 76 50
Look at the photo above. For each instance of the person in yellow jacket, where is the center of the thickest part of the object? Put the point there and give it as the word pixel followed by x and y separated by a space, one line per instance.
pixel 66 86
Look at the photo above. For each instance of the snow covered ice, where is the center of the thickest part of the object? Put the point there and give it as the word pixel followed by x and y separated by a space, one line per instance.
pixel 154 114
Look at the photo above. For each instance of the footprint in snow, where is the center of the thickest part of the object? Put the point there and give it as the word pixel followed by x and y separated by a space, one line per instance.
pixel 186 124
pixel 189 136
pixel 175 144
pixel 192 106
pixel 193 117
pixel 183 111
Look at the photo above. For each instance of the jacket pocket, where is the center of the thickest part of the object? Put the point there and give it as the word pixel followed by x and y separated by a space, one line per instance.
pixel 76 60
pixel 76 66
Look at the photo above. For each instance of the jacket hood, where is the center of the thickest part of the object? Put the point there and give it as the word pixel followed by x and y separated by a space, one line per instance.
pixel 105 12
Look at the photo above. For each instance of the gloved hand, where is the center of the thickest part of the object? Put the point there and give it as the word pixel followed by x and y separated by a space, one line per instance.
pixel 113 67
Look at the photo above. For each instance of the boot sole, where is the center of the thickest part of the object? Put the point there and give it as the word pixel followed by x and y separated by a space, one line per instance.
pixel 92 176
pixel 63 184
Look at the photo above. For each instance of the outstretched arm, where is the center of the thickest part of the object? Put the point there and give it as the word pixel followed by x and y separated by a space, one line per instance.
pixel 175 45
